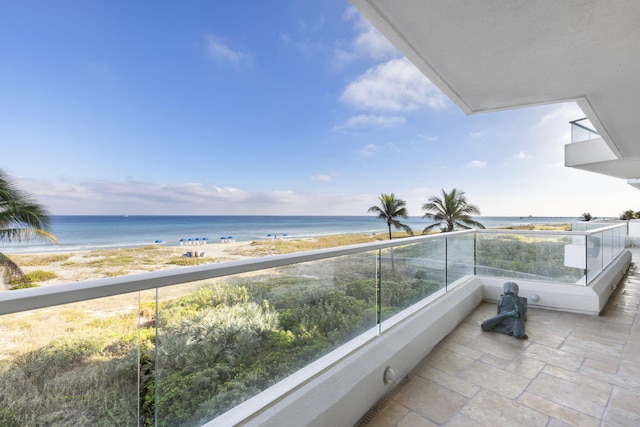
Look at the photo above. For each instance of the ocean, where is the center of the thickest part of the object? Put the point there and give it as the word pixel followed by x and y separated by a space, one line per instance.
pixel 90 232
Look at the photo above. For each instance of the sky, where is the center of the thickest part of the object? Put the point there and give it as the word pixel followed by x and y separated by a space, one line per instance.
pixel 270 107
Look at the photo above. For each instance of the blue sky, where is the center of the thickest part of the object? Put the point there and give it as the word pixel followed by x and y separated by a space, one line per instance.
pixel 258 108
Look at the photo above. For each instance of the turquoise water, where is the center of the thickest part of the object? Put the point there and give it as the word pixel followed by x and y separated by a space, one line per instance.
pixel 77 233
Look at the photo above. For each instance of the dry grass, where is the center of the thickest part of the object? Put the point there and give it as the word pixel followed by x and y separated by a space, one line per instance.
pixel 547 227
pixel 78 266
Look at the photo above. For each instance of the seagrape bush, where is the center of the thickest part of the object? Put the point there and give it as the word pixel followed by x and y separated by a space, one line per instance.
pixel 225 343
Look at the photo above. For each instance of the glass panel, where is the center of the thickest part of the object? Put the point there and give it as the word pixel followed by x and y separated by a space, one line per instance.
pixel 582 130
pixel 74 364
pixel 222 341
pixel 607 248
pixel 595 252
pixel 540 257
pixel 411 273
pixel 460 254
pixel 622 234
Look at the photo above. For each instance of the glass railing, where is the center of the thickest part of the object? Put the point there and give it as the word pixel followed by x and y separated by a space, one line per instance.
pixel 582 130
pixel 565 257
pixel 180 347
pixel 602 248
pixel 538 256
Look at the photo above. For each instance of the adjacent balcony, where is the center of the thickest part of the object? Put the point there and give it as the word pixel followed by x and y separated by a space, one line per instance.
pixel 589 151
pixel 313 338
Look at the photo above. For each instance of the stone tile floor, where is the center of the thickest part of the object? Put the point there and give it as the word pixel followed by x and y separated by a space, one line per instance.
pixel 574 370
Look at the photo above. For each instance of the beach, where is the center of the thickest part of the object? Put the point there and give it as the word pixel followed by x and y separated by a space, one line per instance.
pixel 67 266
pixel 76 266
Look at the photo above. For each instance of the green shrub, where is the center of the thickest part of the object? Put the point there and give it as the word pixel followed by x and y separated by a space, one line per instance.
pixel 24 285
pixel 40 276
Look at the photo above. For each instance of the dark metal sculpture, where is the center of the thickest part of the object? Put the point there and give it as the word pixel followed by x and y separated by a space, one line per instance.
pixel 512 313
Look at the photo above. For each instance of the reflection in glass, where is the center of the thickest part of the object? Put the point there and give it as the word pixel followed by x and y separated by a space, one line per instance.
pixel 222 341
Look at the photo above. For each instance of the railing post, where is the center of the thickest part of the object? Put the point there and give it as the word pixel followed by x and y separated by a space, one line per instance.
pixel 475 257
pixel 379 292
pixel 156 396
pixel 446 264
pixel 139 354
pixel 586 259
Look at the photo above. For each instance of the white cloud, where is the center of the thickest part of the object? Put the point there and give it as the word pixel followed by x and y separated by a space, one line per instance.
pixel 370 149
pixel 141 198
pixel 393 86
pixel 305 46
pixel 429 138
pixel 219 51
pixel 521 155
pixel 563 112
pixel 322 177
pixel 476 164
pixel 362 120
pixel 367 42
pixel 478 134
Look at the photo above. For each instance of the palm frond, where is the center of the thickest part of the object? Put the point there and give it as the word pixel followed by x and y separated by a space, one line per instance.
pixel 453 209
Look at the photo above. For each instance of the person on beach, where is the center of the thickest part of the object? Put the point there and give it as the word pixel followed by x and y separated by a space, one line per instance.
pixel 512 313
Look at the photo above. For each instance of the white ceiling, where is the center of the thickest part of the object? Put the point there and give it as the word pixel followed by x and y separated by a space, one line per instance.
pixel 500 54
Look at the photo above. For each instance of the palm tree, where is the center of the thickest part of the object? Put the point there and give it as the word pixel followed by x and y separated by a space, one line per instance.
pixel 391 208
pixel 587 217
pixel 452 209
pixel 21 218
pixel 628 214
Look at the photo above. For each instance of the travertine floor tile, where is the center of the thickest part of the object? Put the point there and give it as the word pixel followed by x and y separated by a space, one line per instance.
pixel 499 381
pixel 414 420
pixel 559 412
pixel 452 363
pixel 391 414
pixel 496 362
pixel 579 378
pixel 554 356
pixel 449 381
pixel 430 400
pixel 464 350
pixel 570 394
pixel 460 420
pixel 490 344
pixel 626 401
pixel 526 367
pixel 545 338
pixel 595 343
pixel 490 409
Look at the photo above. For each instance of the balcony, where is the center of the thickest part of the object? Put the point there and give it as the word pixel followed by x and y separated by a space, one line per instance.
pixel 589 151
pixel 573 370
pixel 391 303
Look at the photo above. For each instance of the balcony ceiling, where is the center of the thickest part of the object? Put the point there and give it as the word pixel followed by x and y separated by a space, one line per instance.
pixel 504 54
